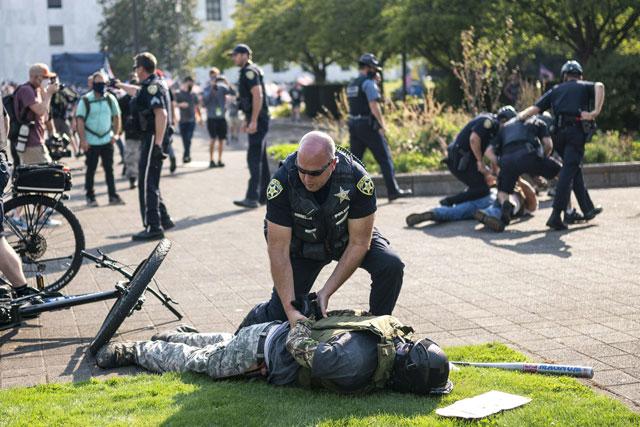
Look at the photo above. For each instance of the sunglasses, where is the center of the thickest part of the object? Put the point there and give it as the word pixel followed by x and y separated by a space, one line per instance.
pixel 316 172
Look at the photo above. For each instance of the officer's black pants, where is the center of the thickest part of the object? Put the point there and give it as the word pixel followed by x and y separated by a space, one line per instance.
pixel 570 146
pixel 96 152
pixel 522 161
pixel 152 209
pixel 476 185
pixel 257 160
pixel 363 136
pixel 382 263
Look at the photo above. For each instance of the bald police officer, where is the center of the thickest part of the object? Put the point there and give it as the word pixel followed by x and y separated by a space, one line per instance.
pixel 571 102
pixel 252 99
pixel 366 124
pixel 320 208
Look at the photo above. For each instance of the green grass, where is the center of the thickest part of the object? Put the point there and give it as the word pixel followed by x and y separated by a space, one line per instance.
pixel 190 400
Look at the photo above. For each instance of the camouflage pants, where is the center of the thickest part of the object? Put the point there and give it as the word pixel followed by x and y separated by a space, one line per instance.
pixel 219 355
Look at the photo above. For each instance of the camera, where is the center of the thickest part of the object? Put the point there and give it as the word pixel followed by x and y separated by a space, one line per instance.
pixel 57 145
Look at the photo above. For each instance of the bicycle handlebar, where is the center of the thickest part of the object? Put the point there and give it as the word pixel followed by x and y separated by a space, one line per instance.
pixel 106 262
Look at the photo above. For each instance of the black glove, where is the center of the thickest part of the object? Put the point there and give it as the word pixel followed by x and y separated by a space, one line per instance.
pixel 157 153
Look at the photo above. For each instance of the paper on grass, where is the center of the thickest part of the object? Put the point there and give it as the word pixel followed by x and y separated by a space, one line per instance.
pixel 483 405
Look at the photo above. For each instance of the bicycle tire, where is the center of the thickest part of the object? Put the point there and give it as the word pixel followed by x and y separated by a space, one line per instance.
pixel 126 301
pixel 78 235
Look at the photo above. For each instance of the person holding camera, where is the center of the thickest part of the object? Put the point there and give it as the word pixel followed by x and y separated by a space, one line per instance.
pixel 215 100
pixel 98 116
pixel 32 102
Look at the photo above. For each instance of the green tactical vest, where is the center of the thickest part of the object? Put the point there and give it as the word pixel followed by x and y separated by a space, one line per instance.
pixel 385 327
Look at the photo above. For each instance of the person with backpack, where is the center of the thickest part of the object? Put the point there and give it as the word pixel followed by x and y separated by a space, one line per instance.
pixel 99 122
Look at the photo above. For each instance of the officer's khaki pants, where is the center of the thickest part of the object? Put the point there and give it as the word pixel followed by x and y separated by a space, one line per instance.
pixel 219 355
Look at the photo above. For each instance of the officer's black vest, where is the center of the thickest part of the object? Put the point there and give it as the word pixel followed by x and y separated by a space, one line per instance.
pixel 320 232
pixel 144 119
pixel 358 102
pixel 245 97
pixel 518 132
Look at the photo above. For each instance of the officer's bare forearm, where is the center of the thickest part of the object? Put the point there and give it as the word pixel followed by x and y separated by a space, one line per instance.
pixel 256 106
pixel 491 155
pixel 476 148
pixel 547 142
pixel 282 274
pixel 375 110
pixel 160 118
pixel 528 112
pixel 131 90
pixel 599 101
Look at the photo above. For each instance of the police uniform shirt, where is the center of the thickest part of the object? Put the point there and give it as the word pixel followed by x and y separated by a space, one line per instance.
pixel 151 96
pixel 349 361
pixel 517 131
pixel 279 206
pixel 370 89
pixel 250 78
pixel 485 125
pixel 569 98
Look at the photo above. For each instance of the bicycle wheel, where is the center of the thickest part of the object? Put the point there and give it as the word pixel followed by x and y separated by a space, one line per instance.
pixel 129 298
pixel 48 238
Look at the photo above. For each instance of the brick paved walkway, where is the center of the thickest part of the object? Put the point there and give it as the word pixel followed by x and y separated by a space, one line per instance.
pixel 568 297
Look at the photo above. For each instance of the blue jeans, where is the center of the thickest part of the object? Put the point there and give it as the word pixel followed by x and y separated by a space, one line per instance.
pixel 464 210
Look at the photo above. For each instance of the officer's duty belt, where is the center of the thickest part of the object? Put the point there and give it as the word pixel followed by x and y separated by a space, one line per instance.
pixel 359 117
pixel 262 340
pixel 517 146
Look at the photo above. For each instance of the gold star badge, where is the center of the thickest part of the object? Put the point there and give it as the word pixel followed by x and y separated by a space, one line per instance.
pixel 365 185
pixel 342 195
pixel 152 89
pixel 274 189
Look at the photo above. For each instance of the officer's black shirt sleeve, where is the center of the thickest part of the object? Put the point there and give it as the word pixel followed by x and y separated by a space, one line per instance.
pixel 361 204
pixel 279 207
pixel 544 102
pixel 484 129
pixel 251 77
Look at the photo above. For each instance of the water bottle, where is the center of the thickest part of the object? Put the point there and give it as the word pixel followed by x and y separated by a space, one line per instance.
pixel 23 135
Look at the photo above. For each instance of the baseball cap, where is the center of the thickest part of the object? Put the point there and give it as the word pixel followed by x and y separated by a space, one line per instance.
pixel 41 69
pixel 241 48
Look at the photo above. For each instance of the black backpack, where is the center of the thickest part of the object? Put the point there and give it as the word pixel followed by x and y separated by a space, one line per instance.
pixel 14 125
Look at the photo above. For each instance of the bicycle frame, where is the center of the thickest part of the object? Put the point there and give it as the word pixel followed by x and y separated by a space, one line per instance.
pixel 61 302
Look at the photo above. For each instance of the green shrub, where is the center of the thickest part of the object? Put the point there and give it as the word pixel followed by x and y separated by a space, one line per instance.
pixel 280 152
pixel 610 146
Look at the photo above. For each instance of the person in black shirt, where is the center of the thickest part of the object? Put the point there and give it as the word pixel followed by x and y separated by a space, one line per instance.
pixel 571 102
pixel 321 205
pixel 252 99
pixel 464 158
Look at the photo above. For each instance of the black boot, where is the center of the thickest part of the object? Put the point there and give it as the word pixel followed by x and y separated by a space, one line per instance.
pixel 588 216
pixel 506 210
pixel 555 220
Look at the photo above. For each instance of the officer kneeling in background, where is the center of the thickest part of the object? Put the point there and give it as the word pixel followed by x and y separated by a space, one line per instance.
pixel 518 144
pixel 347 352
pixel 320 207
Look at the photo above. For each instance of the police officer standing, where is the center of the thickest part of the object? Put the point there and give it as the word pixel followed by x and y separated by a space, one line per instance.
pixel 320 208
pixel 150 112
pixel 252 99
pixel 366 124
pixel 571 102
pixel 523 147
pixel 464 158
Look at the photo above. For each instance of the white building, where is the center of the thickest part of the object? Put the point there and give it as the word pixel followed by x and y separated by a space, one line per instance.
pixel 33 30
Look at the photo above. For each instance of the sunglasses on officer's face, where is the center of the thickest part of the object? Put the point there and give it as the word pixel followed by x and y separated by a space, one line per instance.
pixel 316 172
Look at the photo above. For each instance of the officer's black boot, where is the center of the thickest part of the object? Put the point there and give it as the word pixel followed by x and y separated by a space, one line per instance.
pixel 400 193
pixel 588 216
pixel 555 220
pixel 148 233
pixel 417 218
pixel 506 210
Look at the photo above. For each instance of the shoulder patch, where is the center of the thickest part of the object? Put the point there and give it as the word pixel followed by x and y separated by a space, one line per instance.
pixel 487 123
pixel 250 74
pixel 365 185
pixel 152 89
pixel 274 189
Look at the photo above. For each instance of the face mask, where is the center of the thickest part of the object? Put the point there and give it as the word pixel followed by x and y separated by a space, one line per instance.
pixel 99 87
pixel 189 88
pixel 371 74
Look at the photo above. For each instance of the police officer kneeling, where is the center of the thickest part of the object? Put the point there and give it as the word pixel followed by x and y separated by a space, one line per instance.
pixel 347 352
pixel 320 207
pixel 571 102
pixel 518 144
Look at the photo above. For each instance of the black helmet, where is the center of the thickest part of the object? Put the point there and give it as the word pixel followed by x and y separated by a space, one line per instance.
pixel 421 368
pixel 506 113
pixel 370 60
pixel 547 119
pixel 572 68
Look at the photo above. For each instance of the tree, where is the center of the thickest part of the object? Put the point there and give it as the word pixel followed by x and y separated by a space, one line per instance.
pixel 165 28
pixel 588 27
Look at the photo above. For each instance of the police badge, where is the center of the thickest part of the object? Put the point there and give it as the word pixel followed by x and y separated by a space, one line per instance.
pixel 365 185
pixel 250 74
pixel 152 89
pixel 274 189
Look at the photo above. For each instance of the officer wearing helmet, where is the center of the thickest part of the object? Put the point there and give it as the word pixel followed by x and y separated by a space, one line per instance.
pixel 519 147
pixel 366 124
pixel 576 103
pixel 348 352
pixel 465 154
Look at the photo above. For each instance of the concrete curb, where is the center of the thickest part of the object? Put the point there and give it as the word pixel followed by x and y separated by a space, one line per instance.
pixel 598 175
